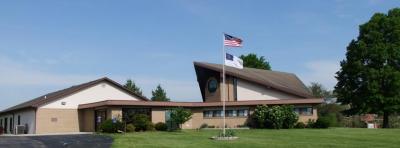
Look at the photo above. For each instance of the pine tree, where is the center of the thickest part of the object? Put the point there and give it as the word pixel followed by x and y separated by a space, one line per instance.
pixel 159 94
pixel 130 85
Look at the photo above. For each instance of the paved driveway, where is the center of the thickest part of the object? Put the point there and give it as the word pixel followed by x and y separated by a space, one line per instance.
pixel 55 141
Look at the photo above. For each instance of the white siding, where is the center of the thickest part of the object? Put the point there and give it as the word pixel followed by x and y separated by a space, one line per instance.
pixel 8 116
pixel 26 117
pixel 250 91
pixel 99 92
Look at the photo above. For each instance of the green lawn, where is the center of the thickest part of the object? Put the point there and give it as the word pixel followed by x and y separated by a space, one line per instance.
pixel 313 138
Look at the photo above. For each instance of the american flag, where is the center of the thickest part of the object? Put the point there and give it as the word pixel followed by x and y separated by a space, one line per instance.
pixel 232 41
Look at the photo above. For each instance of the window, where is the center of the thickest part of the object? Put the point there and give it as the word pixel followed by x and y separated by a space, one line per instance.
pixel 19 120
pixel 217 113
pixel 11 124
pixel 235 88
pixel 208 113
pixel 230 113
pixel 305 111
pixel 243 112
pixel 212 85
pixel 1 122
pixel 128 113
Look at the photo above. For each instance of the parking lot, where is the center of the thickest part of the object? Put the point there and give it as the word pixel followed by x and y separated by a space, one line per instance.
pixel 55 141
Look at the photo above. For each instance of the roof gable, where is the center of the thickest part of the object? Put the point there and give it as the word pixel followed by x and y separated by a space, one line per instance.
pixel 53 96
pixel 282 81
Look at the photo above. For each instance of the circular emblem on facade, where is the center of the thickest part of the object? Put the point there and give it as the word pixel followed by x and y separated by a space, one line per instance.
pixel 212 85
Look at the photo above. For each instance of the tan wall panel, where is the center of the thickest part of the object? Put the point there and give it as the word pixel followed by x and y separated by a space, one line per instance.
pixel 157 115
pixel 64 120
pixel 86 120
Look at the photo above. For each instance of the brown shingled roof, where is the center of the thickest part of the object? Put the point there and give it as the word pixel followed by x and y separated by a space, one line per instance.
pixel 282 81
pixel 53 96
pixel 198 104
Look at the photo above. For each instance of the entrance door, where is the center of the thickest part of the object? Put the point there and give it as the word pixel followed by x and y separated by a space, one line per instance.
pixel 99 117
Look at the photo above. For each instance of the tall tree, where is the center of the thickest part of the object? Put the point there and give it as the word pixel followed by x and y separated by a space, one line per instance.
pixel 253 61
pixel 159 94
pixel 320 91
pixel 369 78
pixel 130 85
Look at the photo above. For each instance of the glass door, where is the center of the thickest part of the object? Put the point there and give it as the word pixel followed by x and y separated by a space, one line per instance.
pixel 99 117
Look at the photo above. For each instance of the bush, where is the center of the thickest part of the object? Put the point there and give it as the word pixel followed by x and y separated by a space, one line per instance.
pixel 300 125
pixel 310 123
pixel 322 122
pixel 130 128
pixel 180 115
pixel 276 117
pixel 290 118
pixel 150 127
pixel 228 133
pixel 204 125
pixel 109 127
pixel 142 122
pixel 160 126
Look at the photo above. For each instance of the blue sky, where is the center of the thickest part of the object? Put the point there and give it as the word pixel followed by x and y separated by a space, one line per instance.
pixel 50 45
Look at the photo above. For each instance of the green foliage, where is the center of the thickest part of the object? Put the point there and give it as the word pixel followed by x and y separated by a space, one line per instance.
pixel 109 127
pixel 204 125
pixel 160 126
pixel 130 85
pixel 320 91
pixel 159 94
pixel 130 128
pixel 180 115
pixel 142 122
pixel 333 112
pixel 310 123
pixel 369 78
pixel 290 118
pixel 394 121
pixel 322 122
pixel 275 117
pixel 300 125
pixel 354 121
pixel 150 127
pixel 260 115
pixel 228 133
pixel 253 61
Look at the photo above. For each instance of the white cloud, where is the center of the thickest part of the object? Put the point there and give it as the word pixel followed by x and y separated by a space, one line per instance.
pixel 322 71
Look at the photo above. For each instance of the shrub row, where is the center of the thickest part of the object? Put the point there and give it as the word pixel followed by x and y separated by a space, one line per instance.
pixel 141 122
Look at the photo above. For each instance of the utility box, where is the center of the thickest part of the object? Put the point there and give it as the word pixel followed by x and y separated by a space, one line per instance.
pixel 20 129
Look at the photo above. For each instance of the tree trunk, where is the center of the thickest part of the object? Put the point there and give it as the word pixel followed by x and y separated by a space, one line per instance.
pixel 385 120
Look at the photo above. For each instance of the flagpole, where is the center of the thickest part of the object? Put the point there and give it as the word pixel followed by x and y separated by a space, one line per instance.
pixel 223 82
